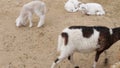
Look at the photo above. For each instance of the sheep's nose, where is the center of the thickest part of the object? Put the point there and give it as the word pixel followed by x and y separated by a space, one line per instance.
pixel 17 25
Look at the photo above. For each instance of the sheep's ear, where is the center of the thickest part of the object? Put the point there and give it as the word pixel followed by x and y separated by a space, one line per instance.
pixel 84 8
pixel 79 4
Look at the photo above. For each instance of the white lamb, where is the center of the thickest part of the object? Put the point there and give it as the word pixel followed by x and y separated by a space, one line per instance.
pixel 92 9
pixel 37 7
pixel 72 5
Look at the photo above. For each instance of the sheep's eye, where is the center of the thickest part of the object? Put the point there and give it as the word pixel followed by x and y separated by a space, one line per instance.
pixel 83 8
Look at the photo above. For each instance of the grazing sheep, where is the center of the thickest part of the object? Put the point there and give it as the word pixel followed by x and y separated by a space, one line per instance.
pixel 72 5
pixel 37 7
pixel 116 65
pixel 92 9
pixel 85 39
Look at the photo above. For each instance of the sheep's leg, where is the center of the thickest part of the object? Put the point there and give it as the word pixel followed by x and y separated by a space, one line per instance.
pixel 87 14
pixel 41 22
pixel 30 19
pixel 106 58
pixel 25 20
pixel 100 12
pixel 58 60
pixel 70 58
pixel 41 16
pixel 90 13
pixel 96 58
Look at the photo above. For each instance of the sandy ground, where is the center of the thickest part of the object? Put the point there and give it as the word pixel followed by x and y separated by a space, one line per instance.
pixel 34 47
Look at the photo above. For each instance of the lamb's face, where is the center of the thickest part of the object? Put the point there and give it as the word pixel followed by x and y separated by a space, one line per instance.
pixel 18 22
pixel 82 7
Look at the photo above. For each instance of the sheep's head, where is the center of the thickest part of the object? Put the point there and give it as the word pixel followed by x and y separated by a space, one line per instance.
pixel 19 22
pixel 82 7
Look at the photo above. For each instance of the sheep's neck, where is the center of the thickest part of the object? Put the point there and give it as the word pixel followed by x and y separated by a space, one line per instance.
pixel 115 36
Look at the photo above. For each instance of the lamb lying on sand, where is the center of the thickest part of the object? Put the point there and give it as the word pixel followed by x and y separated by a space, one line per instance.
pixel 92 9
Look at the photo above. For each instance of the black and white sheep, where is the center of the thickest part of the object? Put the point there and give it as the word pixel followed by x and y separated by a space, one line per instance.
pixel 37 7
pixel 85 39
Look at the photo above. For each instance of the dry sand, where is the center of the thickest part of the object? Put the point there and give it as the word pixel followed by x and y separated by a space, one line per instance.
pixel 34 47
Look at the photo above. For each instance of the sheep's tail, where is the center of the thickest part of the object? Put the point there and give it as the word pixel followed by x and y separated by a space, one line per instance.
pixel 62 41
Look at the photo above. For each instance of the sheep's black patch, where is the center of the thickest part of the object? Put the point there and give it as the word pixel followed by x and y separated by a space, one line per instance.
pixel 104 39
pixel 116 34
pixel 65 36
pixel 102 29
pixel 77 27
pixel 106 61
pixel 56 60
pixel 69 57
pixel 76 66
pixel 87 31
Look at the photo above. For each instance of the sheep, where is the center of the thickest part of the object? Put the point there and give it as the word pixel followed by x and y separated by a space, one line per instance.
pixel 85 39
pixel 37 7
pixel 92 9
pixel 72 5
pixel 116 65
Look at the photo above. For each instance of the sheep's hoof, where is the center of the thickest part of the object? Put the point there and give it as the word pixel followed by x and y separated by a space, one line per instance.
pixel 93 66
pixel 76 66
pixel 87 14
pixel 39 26
pixel 106 61
pixel 30 26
